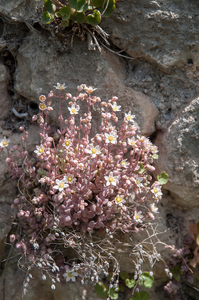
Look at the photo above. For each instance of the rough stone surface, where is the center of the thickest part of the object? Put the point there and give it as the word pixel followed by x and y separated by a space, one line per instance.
pixel 159 84
pixel 179 147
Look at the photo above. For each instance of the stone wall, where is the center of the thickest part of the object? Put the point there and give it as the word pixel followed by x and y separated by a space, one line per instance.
pixel 158 83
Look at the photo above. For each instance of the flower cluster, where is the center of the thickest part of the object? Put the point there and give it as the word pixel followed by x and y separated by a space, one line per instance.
pixel 78 185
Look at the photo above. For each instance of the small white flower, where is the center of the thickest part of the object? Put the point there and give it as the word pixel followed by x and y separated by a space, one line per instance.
pixel 130 117
pixel 60 184
pixel 119 199
pixel 42 98
pixel 157 191
pixel 153 208
pixel 124 164
pixel 94 150
pixel 4 142
pixel 73 109
pixel 138 216
pixel 39 150
pixel 131 142
pixel 111 137
pixel 115 107
pixel 67 143
pixel 111 179
pixel 60 86
pixel 42 106
pixel 70 275
pixel 138 181
pixel 89 89
pixel 69 178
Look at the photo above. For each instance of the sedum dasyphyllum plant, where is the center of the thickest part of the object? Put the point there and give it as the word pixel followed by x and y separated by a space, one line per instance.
pixel 80 192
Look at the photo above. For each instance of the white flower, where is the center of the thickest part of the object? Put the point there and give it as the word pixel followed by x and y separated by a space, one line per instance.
pixel 4 142
pixel 89 89
pixel 69 178
pixel 70 275
pixel 131 141
pixel 94 150
pixel 42 106
pixel 67 143
pixel 74 109
pixel 60 86
pixel 157 191
pixel 119 199
pixel 138 181
pixel 39 150
pixel 129 117
pixel 124 164
pixel 60 184
pixel 153 208
pixel 42 98
pixel 138 216
pixel 111 179
pixel 111 137
pixel 115 107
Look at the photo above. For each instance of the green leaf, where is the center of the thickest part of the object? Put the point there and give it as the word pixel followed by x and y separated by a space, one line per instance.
pixel 110 8
pixel 97 3
pixel 65 23
pixel 94 18
pixel 65 12
pixel 130 283
pixel 177 272
pixel 113 294
pixel 78 17
pixel 155 156
pixel 82 6
pixel 140 296
pixel 123 275
pixel 141 169
pixel 163 178
pixel 73 3
pixel 47 18
pixel 49 6
pixel 101 290
pixel 57 14
pixel 149 280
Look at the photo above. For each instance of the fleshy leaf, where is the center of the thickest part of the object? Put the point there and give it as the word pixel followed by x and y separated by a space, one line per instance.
pixel 101 290
pixel 97 3
pixel 65 12
pixel 163 178
pixel 123 275
pixel 140 296
pixel 177 272
pixel 73 3
pixel 47 18
pixel 130 283
pixel 49 6
pixel 82 6
pixel 113 294
pixel 94 18
pixel 110 8
pixel 78 17
pixel 149 280
pixel 155 156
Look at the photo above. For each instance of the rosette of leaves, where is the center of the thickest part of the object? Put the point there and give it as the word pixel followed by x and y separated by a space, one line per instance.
pixel 78 11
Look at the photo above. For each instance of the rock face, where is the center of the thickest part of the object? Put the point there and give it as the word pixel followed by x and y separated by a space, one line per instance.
pixel 179 157
pixel 158 83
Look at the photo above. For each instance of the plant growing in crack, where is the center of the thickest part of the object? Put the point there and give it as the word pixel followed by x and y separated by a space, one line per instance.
pixel 83 16
pixel 81 194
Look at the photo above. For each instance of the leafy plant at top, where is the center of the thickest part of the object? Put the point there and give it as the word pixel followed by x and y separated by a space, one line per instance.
pixel 79 11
